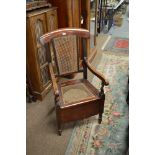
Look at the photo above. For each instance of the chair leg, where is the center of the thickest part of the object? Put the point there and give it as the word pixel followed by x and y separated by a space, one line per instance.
pixel 58 121
pixel 100 114
pixel 101 110
pixel 100 118
pixel 59 128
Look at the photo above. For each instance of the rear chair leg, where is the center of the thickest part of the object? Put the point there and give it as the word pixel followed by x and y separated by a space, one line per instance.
pixel 59 127
pixel 59 131
pixel 100 118
pixel 58 121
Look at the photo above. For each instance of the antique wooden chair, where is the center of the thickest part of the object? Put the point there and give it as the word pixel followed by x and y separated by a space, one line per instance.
pixel 74 99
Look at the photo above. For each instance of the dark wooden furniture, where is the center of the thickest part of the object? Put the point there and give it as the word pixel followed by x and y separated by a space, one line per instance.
pixel 74 99
pixel 72 12
pixel 106 12
pixel 38 23
pixel 75 13
pixel 29 93
pixel 32 5
pixel 100 16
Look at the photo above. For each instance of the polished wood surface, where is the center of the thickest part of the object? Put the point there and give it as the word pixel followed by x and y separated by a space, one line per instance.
pixel 54 82
pixel 36 5
pixel 64 32
pixel 39 22
pixel 83 108
pixel 95 72
pixel 61 11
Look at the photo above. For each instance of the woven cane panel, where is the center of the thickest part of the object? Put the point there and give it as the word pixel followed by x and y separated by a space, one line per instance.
pixel 66 54
pixel 76 92
pixel 45 75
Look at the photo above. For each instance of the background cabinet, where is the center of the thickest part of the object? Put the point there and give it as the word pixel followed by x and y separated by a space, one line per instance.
pixel 38 23
pixel 75 13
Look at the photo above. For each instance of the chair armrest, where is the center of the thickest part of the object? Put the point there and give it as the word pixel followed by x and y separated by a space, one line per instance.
pixel 54 83
pixel 95 72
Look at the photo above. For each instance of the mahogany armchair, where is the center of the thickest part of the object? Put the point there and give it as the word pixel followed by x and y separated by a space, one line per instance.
pixel 74 99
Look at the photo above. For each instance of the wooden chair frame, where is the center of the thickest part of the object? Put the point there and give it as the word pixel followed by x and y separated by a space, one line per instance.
pixel 85 108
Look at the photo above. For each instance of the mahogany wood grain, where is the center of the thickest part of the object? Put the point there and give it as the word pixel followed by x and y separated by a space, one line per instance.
pixel 95 72
pixel 80 111
pixel 92 54
pixel 54 83
pixel 62 12
pixel 64 32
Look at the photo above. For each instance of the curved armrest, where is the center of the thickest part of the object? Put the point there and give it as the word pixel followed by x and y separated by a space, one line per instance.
pixel 54 83
pixel 95 72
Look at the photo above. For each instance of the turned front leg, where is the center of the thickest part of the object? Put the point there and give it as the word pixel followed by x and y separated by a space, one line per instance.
pixel 101 105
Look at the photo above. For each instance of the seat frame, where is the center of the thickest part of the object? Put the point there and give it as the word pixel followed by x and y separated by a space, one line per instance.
pixel 80 109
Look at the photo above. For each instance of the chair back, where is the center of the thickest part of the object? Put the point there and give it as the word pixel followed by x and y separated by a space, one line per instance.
pixel 65 44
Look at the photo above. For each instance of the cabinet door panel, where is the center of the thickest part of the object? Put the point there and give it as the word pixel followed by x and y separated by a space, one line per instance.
pixel 45 75
pixel 38 26
pixel 42 56
pixel 52 22
pixel 31 61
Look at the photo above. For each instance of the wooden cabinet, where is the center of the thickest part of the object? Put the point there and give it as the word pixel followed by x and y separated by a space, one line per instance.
pixel 38 23
pixel 71 12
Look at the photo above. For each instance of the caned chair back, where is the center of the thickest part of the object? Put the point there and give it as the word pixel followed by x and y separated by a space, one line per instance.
pixel 66 54
pixel 65 44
